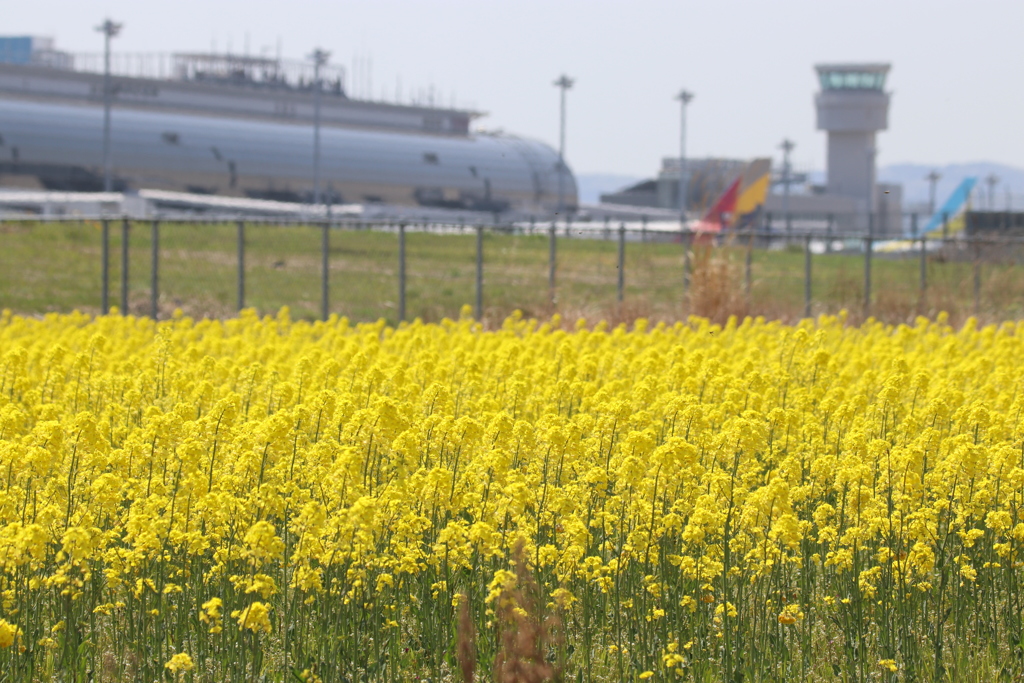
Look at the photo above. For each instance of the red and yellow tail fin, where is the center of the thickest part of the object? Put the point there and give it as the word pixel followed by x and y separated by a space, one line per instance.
pixel 720 214
pixel 742 201
pixel 756 181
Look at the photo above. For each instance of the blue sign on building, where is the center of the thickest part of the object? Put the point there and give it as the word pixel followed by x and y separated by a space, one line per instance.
pixel 16 49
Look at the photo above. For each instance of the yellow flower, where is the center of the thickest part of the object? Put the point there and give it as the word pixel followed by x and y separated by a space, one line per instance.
pixel 211 609
pixel 262 584
pixel 9 633
pixel 255 617
pixel 651 471
pixel 211 614
pixel 726 608
pixel 262 541
pixel 179 662
pixel 672 660
pixel 790 615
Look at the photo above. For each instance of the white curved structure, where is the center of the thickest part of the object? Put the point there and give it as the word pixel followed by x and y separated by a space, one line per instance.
pixel 257 142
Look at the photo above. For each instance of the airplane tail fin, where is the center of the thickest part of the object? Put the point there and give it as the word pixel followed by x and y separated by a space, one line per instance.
pixel 720 213
pixel 742 200
pixel 750 204
pixel 950 213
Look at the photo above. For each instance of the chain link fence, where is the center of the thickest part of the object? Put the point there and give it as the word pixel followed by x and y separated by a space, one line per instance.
pixel 617 271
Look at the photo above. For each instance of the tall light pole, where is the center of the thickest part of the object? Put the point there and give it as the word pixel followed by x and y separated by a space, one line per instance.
pixel 684 97
pixel 319 58
pixel 563 83
pixel 109 29
pixel 933 179
pixel 786 147
pixel 992 180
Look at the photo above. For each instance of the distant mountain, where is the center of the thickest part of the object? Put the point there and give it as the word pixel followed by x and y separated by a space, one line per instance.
pixel 591 185
pixel 1009 187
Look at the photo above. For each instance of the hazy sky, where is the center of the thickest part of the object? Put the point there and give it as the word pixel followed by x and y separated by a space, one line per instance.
pixel 956 78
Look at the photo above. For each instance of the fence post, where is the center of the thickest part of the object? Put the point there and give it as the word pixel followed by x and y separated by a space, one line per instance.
pixel 643 228
pixel 552 261
pixel 945 227
pixel 621 285
pixel 124 266
pixel 748 274
pixel 924 271
pixel 401 272
pixel 807 276
pixel 867 274
pixel 154 278
pixel 479 303
pixel 325 270
pixel 913 225
pixel 241 265
pixel 105 268
pixel 828 233
pixel 977 276
pixel 686 262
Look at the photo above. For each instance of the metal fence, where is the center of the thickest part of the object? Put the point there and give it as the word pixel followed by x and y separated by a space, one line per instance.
pixel 197 67
pixel 672 272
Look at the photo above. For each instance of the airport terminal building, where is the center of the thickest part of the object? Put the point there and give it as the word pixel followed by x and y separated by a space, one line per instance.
pixel 240 126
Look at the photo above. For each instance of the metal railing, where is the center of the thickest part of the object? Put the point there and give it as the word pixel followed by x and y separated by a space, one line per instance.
pixel 257 71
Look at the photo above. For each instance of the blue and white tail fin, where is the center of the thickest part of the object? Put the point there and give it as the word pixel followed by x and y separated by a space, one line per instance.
pixel 951 212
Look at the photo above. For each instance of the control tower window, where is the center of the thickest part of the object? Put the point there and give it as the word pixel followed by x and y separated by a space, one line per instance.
pixel 852 80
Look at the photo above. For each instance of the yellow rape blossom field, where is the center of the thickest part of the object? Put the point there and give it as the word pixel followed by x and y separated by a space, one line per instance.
pixel 267 500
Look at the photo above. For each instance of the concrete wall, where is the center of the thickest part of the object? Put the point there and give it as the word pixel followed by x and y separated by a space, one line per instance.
pixel 852 110
pixel 852 118
pixel 851 164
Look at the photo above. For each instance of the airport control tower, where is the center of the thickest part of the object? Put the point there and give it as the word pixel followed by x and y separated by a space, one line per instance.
pixel 852 106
